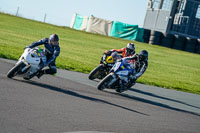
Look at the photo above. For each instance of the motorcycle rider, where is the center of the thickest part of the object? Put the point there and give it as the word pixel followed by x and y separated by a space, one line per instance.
pixel 139 63
pixel 129 50
pixel 52 51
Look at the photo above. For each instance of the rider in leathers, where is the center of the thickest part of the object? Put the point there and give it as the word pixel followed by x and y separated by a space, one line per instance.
pixel 129 50
pixel 140 65
pixel 52 51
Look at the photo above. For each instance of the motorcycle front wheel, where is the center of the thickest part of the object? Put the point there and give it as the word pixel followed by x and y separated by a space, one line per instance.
pixel 105 82
pixel 15 70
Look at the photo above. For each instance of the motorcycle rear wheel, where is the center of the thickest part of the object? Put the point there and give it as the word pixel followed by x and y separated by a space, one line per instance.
pixel 15 70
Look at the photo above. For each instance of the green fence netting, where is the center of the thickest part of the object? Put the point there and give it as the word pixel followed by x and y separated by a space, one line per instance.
pixel 118 29
pixel 126 31
pixel 140 34
pixel 78 22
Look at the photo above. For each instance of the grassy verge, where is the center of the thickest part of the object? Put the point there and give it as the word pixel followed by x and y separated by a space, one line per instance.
pixel 81 51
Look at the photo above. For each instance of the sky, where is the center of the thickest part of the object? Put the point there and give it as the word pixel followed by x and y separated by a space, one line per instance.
pixel 60 12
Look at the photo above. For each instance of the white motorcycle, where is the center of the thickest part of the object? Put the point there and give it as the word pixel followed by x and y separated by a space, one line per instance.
pixel 29 64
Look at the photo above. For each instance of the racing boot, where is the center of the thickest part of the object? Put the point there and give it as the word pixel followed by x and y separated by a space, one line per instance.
pixel 122 88
pixel 40 73
pixel 132 80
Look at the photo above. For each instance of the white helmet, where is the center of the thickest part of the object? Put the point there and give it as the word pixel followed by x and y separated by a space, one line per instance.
pixel 130 49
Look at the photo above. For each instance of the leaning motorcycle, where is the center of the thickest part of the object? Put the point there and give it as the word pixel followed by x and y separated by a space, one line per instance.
pixel 28 64
pixel 104 67
pixel 120 75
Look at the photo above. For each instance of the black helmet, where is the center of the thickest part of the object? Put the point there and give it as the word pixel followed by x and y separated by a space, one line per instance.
pixel 143 55
pixel 53 39
pixel 130 49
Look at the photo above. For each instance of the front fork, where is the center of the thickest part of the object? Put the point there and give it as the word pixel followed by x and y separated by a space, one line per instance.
pixel 114 79
pixel 25 69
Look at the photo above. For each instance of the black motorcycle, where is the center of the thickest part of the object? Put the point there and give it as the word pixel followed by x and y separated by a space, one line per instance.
pixel 106 63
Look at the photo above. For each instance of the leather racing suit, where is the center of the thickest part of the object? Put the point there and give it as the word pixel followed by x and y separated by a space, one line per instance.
pixel 51 52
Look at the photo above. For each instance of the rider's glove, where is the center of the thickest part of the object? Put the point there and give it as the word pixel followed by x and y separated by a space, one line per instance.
pixel 26 47
pixel 106 52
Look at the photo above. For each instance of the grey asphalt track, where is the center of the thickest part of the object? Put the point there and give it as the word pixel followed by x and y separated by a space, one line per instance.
pixel 69 102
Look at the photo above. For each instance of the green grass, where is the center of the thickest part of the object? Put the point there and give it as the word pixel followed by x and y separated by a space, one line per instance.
pixel 81 51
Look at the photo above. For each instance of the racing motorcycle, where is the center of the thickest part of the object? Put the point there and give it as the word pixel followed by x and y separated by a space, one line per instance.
pixel 120 75
pixel 104 67
pixel 29 64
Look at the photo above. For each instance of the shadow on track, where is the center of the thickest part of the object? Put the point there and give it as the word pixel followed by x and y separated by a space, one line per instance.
pixel 160 97
pixel 152 102
pixel 69 92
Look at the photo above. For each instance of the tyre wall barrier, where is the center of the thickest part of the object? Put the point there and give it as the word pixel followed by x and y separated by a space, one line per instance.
pixel 190 44
pixel 155 37
pixel 172 41
pixel 167 40
pixel 198 47
pixel 146 35
pixel 179 42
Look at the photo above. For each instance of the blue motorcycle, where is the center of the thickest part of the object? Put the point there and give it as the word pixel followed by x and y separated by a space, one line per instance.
pixel 119 76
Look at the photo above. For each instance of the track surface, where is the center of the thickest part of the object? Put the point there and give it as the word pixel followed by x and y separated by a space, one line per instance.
pixel 70 102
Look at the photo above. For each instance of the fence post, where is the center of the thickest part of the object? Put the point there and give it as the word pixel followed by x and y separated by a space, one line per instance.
pixel 45 15
pixel 17 11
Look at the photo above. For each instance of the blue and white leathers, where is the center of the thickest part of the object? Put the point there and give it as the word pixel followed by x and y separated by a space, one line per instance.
pixel 122 69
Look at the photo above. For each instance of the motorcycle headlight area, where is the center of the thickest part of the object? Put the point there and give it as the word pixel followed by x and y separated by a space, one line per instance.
pixel 36 53
pixel 116 66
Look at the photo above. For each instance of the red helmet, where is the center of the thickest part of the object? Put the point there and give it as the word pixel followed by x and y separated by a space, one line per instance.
pixel 53 39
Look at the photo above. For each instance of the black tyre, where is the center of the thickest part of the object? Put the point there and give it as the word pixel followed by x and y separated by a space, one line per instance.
pixel 96 72
pixel 167 40
pixel 156 33
pixel 155 40
pixel 179 42
pixel 190 44
pixel 146 35
pixel 104 82
pixel 197 50
pixel 155 37
pixel 146 39
pixel 15 70
pixel 147 32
